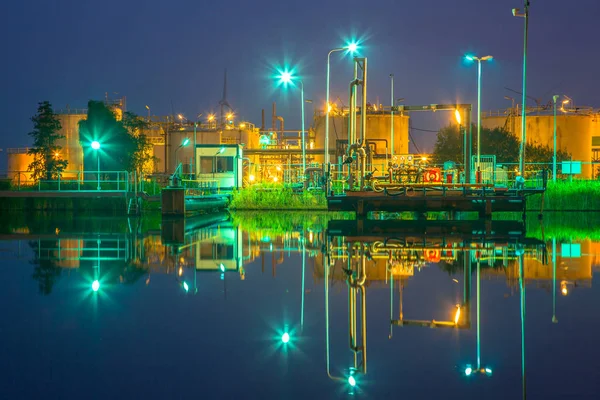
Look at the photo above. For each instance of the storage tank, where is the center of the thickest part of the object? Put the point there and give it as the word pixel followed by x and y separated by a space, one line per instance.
pixel 574 133
pixel 18 161
pixel 72 150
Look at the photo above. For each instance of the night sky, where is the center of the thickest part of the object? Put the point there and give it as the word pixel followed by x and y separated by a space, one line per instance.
pixel 171 55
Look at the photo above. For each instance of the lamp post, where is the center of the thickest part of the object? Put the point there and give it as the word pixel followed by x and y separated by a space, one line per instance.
pixel 479 60
pixel 96 146
pixel 286 77
pixel 554 98
pixel 352 47
pixel 525 14
pixel 392 115
pixel 185 142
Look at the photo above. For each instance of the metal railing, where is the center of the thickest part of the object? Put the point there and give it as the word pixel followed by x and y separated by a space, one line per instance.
pixel 118 181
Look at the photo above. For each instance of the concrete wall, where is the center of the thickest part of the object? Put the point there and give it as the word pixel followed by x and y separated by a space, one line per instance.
pixel 573 133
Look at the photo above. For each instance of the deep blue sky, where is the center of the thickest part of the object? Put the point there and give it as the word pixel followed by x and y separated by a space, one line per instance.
pixel 158 52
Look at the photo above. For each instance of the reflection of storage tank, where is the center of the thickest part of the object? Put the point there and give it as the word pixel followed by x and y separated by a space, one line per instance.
pixel 574 133
pixel 378 129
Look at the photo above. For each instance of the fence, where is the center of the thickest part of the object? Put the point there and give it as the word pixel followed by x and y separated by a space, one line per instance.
pixel 78 181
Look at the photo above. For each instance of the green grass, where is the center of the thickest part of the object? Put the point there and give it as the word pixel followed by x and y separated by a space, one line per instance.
pixel 276 197
pixel 578 195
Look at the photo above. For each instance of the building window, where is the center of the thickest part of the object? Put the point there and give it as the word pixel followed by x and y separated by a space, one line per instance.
pixel 216 164
pixel 596 155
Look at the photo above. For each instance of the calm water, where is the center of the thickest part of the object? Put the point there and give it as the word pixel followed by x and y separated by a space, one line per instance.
pixel 117 308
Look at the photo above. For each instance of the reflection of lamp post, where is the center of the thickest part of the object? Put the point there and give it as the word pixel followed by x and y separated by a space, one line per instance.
pixel 96 282
pixel 554 319
pixel 479 60
pixel 96 147
pixel 554 98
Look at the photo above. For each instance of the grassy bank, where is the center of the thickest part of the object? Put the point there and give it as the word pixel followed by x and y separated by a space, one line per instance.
pixel 276 197
pixel 569 196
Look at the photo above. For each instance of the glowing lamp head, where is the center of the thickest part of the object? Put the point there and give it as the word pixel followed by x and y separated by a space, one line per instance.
pixel 211 117
pixel 230 116
pixel 285 338
pixel 352 47
pixel 185 142
pixel 457 116
pixel 251 178
pixel 469 57
pixel 468 371
pixel 186 287
pixel 180 116
pixel 96 285
pixel 222 267
pixel 285 77
pixel 95 145
pixel 351 381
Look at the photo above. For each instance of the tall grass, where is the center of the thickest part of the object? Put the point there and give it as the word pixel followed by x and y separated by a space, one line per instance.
pixel 578 195
pixel 276 197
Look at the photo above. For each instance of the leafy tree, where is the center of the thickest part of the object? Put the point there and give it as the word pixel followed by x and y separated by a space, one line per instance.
pixel 497 141
pixel 47 162
pixel 123 146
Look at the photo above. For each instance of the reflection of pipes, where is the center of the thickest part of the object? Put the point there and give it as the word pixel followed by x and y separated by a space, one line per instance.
pixel 306 173
pixel 355 286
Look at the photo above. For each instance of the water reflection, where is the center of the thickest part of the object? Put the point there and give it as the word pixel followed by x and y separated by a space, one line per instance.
pixel 385 262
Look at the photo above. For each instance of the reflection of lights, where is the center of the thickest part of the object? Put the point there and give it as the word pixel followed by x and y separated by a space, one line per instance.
pixel 488 371
pixel 565 291
pixel 251 178
pixel 468 371
pixel 351 381
pixel 242 125
pixel 222 267
pixel 285 338
pixel 310 237
pixel 95 145
pixel 186 287
pixel 95 285
pixel 457 315
pixel 180 271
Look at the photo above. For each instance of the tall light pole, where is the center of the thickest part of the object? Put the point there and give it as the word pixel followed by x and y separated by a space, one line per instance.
pixel 479 60
pixel 554 98
pixel 286 78
pixel 525 14
pixel 458 118
pixel 148 108
pixel 96 146
pixel 392 116
pixel 352 47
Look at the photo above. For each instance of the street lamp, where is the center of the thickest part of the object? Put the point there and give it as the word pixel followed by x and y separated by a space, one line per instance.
pixel 351 48
pixel 96 146
pixel 479 60
pixel 516 13
pixel 554 98
pixel 148 108
pixel 286 78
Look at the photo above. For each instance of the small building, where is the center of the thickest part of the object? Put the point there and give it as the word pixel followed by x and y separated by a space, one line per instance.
pixel 219 165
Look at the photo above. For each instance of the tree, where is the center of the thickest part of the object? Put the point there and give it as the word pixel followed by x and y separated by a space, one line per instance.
pixel 47 161
pixel 45 272
pixel 498 141
pixel 123 145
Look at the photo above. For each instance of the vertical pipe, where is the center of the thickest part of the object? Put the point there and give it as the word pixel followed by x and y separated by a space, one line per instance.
pixel 478 113
pixel 554 98
pixel 326 144
pixel 363 111
pixel 524 99
pixel 303 135
pixel 392 116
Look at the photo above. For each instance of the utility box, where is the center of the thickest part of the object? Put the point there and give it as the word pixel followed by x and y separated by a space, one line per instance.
pixel 173 201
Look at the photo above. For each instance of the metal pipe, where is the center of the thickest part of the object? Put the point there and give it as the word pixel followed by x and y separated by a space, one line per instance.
pixel 363 111
pixel 524 99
